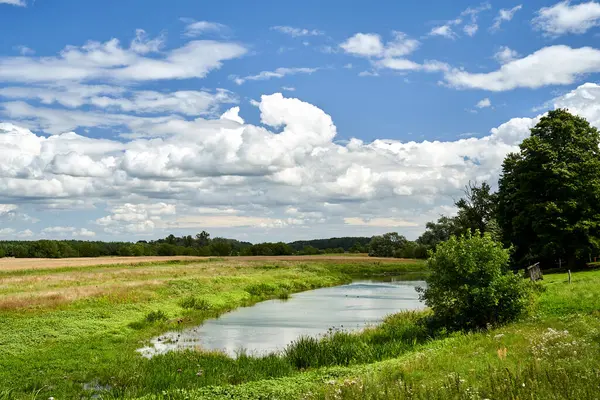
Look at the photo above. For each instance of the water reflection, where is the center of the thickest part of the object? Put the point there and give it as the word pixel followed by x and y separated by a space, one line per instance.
pixel 271 325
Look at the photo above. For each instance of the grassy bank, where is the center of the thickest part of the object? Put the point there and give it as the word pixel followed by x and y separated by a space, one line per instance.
pixel 67 332
pixel 553 354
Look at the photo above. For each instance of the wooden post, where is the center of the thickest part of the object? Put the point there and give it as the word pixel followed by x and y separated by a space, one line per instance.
pixel 569 277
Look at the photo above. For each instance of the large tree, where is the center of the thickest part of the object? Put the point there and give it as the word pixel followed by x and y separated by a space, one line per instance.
pixel 549 194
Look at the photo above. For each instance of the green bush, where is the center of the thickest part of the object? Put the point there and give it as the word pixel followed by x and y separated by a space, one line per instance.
pixel 194 303
pixel 156 316
pixel 471 286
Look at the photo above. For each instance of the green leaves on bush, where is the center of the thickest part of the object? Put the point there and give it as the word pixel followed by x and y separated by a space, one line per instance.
pixel 156 316
pixel 471 286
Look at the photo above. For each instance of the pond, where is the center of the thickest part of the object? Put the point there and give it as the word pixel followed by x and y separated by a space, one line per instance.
pixel 271 325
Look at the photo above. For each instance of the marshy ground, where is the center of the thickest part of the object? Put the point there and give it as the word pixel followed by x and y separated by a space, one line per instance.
pixel 71 330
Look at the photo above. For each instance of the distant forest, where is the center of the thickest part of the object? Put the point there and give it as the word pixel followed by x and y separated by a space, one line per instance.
pixel 200 245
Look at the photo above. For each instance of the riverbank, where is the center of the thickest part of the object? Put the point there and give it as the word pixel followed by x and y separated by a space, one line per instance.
pixel 68 331
pixel 552 354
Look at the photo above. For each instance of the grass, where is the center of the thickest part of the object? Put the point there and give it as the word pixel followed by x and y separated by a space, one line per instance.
pixel 552 354
pixel 69 332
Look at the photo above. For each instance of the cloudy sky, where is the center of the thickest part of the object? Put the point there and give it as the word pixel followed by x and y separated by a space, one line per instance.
pixel 272 120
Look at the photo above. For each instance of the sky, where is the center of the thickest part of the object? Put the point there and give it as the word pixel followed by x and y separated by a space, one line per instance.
pixel 271 120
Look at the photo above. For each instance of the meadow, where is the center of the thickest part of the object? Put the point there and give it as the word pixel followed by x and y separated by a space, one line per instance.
pixel 71 332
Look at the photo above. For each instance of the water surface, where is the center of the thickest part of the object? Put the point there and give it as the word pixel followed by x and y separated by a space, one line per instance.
pixel 271 325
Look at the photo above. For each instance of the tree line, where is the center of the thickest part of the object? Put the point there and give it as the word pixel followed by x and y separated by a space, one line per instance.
pixel 199 245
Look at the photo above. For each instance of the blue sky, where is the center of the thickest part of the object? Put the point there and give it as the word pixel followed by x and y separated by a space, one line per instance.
pixel 113 127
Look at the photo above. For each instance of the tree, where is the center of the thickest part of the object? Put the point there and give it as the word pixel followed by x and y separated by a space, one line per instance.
pixel 387 245
pixel 438 232
pixel 470 285
pixel 202 239
pixel 477 209
pixel 549 194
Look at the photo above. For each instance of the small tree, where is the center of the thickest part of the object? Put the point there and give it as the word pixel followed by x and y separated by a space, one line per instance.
pixel 471 285
pixel 387 245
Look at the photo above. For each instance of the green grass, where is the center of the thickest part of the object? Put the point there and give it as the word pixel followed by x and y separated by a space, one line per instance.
pixel 52 351
pixel 66 332
pixel 552 354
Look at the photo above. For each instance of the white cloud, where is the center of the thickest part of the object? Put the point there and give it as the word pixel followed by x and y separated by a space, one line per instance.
pixel 368 73
pixel 564 18
pixel 278 73
pixel 27 233
pixel 110 61
pixel 24 50
pixel 197 28
pixel 533 71
pixel 141 44
pixel 297 32
pixel 20 3
pixel 364 45
pixel 187 102
pixel 389 56
pixel 468 17
pixel 7 232
pixel 505 55
pixel 484 103
pixel 379 222
pixel 471 29
pixel 504 15
pixel 223 173
pixel 444 31
pixel 84 233
pixel 288 88
pixel 7 208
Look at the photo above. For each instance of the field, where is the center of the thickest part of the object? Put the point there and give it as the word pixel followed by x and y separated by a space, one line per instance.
pixel 70 331
pixel 67 327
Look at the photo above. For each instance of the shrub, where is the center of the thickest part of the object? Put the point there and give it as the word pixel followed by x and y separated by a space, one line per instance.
pixel 471 286
pixel 155 316
pixel 194 303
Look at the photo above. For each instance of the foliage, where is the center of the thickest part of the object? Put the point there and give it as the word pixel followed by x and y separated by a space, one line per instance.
pixel 549 192
pixel 476 213
pixel 394 245
pixel 346 243
pixel 156 316
pixel 470 285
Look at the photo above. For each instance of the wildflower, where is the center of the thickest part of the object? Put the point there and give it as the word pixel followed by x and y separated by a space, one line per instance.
pixel 502 353
pixel 498 336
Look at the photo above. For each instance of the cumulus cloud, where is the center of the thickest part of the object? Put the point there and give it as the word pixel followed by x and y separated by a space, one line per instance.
pixel 297 32
pixel 389 55
pixel 533 71
pixel 111 61
pixel 504 15
pixel 278 73
pixel 288 172
pixel 564 18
